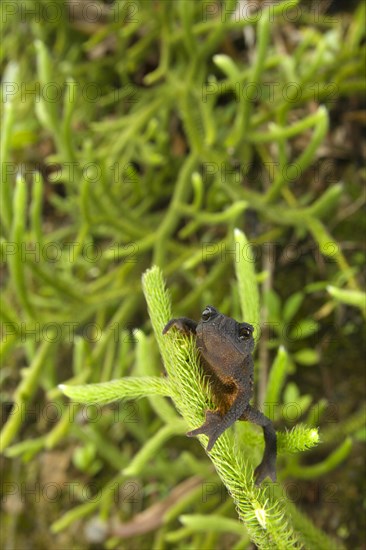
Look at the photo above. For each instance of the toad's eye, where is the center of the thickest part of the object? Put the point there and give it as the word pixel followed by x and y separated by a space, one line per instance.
pixel 207 313
pixel 244 332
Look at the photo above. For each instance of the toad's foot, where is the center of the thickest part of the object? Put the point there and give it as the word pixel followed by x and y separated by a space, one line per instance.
pixel 267 468
pixel 183 324
pixel 212 428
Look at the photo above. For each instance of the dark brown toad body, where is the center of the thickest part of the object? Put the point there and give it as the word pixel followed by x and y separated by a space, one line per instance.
pixel 225 348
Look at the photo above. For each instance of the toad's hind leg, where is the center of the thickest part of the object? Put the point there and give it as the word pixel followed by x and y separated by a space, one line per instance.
pixel 268 465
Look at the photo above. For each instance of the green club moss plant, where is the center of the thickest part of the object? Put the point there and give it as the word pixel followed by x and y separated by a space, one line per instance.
pixel 175 103
pixel 266 519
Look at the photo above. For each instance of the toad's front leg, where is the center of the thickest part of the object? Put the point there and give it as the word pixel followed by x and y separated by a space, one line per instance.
pixel 183 324
pixel 211 428
pixel 216 424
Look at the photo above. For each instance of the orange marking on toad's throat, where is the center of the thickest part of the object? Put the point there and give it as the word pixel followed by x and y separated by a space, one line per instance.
pixel 223 391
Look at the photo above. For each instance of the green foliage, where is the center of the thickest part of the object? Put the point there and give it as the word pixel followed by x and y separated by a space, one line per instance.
pixel 245 274
pixel 180 359
pixel 352 297
pixel 201 148
pixel 277 377
pixel 107 392
pixel 262 515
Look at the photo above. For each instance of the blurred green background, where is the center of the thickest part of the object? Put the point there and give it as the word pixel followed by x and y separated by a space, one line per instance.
pixel 137 133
